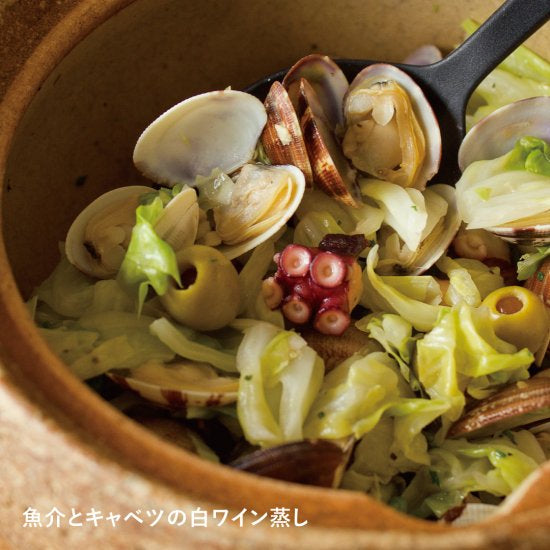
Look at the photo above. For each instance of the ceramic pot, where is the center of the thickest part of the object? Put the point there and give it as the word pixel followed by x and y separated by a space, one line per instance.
pixel 79 81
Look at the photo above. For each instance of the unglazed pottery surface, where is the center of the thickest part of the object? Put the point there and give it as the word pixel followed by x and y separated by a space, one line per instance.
pixel 79 80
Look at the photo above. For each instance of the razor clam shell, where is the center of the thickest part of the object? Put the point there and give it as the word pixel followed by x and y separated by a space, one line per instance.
pixel 331 169
pixel 172 396
pixel 236 250
pixel 497 133
pixel 75 250
pixel 309 462
pixel 380 72
pixel 281 116
pixel 517 405
pixel 328 81
pixel 212 130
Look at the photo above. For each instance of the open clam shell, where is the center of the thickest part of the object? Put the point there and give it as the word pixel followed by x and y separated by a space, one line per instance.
pixel 310 462
pixel 97 239
pixel 212 130
pixel 328 81
pixel 497 133
pixel 282 137
pixel 385 94
pixel 531 231
pixel 179 222
pixel 263 200
pixel 179 385
pixel 518 405
pixel 433 245
pixel 331 170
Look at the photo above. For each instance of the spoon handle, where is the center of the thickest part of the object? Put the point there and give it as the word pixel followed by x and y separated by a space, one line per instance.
pixel 463 69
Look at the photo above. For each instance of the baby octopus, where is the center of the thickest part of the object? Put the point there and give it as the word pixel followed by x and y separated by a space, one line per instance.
pixel 323 284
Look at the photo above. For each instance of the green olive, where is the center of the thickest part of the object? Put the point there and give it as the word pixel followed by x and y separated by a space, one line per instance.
pixel 210 296
pixel 519 316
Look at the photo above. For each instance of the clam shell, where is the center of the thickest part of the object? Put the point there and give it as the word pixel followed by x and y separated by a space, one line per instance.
pixel 179 222
pixel 282 137
pixel 328 81
pixel 265 224
pixel 381 72
pixel 532 231
pixel 179 385
pixel 521 404
pixel 115 208
pixel 497 133
pixel 212 130
pixel 310 462
pixel 331 170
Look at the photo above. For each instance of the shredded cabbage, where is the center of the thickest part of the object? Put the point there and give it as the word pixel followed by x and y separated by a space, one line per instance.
pixel 378 295
pixel 493 192
pixel 279 378
pixel 462 353
pixel 149 260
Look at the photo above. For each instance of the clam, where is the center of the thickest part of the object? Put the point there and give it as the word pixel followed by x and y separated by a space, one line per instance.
pixel 179 385
pixel 282 137
pixel 331 170
pixel 494 136
pixel 310 462
pixel 497 133
pixel 263 200
pixel 521 404
pixel 99 236
pixel 391 130
pixel 179 222
pixel 328 81
pixel 436 238
pixel 212 130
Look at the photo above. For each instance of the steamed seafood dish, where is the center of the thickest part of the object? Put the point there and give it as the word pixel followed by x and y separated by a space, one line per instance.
pixel 293 290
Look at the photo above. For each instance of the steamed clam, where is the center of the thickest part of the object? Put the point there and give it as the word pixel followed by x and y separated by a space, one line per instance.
pixel 282 137
pixel 494 136
pixel 97 239
pixel 440 227
pixel 179 385
pixel 327 80
pixel 99 236
pixel 313 462
pixel 212 130
pixel 331 170
pixel 391 130
pixel 263 200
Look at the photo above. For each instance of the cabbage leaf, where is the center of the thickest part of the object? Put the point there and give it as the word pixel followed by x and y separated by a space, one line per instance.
pixel 279 378
pixel 462 353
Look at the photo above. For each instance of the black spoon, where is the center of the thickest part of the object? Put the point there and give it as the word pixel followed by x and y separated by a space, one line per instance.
pixel 449 83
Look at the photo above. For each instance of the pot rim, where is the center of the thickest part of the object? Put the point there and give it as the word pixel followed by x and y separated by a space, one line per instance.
pixel 135 445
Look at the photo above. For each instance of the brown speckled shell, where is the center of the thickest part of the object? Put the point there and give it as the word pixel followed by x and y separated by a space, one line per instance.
pixel 79 80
